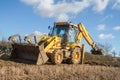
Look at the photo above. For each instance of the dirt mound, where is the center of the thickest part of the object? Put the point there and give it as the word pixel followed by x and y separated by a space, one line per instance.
pixel 101 60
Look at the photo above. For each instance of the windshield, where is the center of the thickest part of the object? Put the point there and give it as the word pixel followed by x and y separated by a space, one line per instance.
pixel 60 30
pixel 72 35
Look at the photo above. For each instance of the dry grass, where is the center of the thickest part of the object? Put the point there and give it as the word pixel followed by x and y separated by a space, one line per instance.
pixel 18 71
pixel 93 69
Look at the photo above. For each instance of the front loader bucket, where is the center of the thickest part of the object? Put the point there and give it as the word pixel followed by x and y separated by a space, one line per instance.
pixel 29 52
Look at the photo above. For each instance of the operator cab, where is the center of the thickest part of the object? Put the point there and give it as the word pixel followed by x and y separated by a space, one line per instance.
pixel 66 31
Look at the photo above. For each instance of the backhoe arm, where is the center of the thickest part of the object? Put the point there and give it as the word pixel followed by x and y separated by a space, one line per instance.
pixel 89 39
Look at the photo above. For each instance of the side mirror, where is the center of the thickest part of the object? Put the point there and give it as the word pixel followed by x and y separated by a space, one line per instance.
pixel 50 28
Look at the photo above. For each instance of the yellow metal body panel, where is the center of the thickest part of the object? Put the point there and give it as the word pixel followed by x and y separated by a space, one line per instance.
pixel 54 42
pixel 43 37
pixel 79 37
pixel 73 45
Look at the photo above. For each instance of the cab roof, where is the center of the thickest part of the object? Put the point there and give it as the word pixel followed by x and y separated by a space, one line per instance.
pixel 64 23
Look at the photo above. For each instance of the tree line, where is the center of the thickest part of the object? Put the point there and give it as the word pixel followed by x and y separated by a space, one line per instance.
pixel 5 46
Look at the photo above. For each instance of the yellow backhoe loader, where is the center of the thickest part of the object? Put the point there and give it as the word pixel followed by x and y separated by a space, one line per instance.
pixel 61 44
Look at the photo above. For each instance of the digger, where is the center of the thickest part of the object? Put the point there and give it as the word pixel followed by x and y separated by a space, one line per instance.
pixel 61 44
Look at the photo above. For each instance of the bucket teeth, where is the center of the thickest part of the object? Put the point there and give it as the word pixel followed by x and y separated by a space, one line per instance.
pixel 97 52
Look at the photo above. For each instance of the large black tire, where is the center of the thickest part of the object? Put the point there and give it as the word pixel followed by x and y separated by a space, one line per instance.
pixel 57 57
pixel 75 56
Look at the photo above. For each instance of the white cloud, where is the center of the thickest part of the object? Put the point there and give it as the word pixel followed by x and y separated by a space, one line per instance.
pixel 107 17
pixel 113 48
pixel 62 8
pixel 37 33
pixel 100 5
pixel 62 17
pixel 106 36
pixel 101 27
pixel 117 28
pixel 116 4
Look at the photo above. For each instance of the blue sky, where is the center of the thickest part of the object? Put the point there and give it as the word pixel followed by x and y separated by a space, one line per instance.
pixel 101 17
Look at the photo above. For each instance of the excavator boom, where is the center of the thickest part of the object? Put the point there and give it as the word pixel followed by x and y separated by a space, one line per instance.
pixel 89 40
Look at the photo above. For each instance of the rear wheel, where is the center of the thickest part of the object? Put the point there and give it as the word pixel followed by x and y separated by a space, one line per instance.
pixel 75 56
pixel 57 57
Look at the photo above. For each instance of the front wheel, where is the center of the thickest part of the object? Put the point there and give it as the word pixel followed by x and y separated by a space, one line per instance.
pixel 57 57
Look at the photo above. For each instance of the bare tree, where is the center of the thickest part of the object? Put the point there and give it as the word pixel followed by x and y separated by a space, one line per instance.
pixel 107 47
pixel 114 54
pixel 119 53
